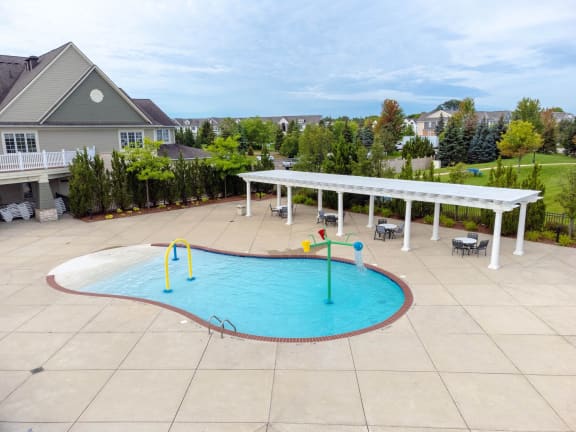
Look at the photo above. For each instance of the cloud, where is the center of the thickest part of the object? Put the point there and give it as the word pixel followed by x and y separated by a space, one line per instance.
pixel 334 55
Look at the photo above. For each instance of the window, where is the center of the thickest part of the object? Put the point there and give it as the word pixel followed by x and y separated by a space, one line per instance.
pixel 23 142
pixel 131 139
pixel 163 135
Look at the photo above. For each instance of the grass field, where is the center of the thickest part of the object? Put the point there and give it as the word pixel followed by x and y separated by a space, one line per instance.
pixel 552 175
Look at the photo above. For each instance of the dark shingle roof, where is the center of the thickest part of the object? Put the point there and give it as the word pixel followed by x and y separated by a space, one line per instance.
pixel 25 76
pixel 153 112
pixel 173 152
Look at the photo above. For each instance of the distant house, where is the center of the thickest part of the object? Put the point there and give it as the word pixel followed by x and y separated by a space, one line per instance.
pixel 194 124
pixel 56 103
pixel 559 116
pixel 427 123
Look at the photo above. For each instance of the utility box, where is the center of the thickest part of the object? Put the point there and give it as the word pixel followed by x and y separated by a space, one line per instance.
pixel 241 210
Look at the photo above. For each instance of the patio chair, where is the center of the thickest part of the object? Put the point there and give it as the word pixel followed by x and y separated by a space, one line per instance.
pixel 482 246
pixel 459 247
pixel 274 211
pixel 321 216
pixel 380 233
pixel 331 219
pixel 398 232
pixel 382 221
pixel 473 235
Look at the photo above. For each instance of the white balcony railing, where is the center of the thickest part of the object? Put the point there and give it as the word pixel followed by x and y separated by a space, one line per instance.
pixel 42 160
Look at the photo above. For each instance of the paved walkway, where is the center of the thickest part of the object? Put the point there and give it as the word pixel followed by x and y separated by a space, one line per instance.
pixel 479 350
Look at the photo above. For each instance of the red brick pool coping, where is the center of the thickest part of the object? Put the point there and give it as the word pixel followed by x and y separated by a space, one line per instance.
pixel 408 299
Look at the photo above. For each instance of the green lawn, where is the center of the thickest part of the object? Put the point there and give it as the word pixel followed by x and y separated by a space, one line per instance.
pixel 552 177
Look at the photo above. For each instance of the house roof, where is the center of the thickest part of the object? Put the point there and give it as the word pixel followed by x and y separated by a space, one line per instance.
pixel 15 83
pixel 153 112
pixel 173 151
pixel 308 119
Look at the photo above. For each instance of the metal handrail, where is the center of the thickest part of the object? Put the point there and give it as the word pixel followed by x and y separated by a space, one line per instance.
pixel 222 325
pixel 229 322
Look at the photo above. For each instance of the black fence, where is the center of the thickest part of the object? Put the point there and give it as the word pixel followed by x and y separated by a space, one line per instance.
pixel 460 213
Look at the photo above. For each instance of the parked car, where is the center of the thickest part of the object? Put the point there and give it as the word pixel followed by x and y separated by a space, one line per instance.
pixel 259 157
pixel 289 163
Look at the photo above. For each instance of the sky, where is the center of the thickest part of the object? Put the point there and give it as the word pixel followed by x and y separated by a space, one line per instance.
pixel 239 58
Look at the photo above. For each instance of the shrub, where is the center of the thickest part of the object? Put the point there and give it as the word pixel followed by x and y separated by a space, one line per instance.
pixel 446 221
pixel 359 208
pixel 532 235
pixel 385 212
pixel 428 219
pixel 299 199
pixel 549 235
pixel 470 226
pixel 564 240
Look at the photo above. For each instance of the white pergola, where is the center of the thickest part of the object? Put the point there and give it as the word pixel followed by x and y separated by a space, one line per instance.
pixel 499 200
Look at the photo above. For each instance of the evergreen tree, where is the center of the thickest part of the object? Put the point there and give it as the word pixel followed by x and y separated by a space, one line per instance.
pixel 278 139
pixel 119 181
pixel 567 199
pixel 489 149
pixel 179 136
pixel 548 132
pixel 505 177
pixel 449 148
pixel 182 180
pixel 440 125
pixel 477 146
pixel 417 147
pixel 189 138
pixel 536 212
pixel 407 173
pixel 81 185
pixel 363 165
pixel 101 183
pixel 366 136
pixel 205 136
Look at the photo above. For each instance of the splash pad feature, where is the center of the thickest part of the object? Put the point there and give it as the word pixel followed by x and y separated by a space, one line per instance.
pixel 358 246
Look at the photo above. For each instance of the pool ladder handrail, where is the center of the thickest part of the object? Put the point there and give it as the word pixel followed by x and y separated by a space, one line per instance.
pixel 222 325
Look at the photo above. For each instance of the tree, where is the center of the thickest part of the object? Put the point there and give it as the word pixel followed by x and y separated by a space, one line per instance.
pixel 147 165
pixel 536 212
pixel 205 136
pixel 81 185
pixel 341 159
pixel 388 130
pixel 567 199
pixel 449 105
pixel 182 179
pixel 417 147
pixel 440 125
pixel 258 133
pixel 566 136
pixel 228 127
pixel 504 177
pixel 477 146
pixel 519 139
pixel 189 138
pixel 119 181
pixel 227 159
pixel 278 139
pixel 314 144
pixel 450 146
pixel 366 136
pixel 529 110
pixel 101 183
pixel 548 132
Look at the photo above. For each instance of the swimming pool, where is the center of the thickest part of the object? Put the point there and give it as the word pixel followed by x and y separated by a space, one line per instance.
pixel 270 298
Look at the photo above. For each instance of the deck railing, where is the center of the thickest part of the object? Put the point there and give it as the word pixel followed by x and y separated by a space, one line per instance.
pixel 40 160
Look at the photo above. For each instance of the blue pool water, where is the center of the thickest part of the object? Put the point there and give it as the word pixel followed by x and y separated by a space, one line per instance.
pixel 272 297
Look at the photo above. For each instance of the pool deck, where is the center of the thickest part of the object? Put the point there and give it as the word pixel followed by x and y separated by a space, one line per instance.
pixel 480 350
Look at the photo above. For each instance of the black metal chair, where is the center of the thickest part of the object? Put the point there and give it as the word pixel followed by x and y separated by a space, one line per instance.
pixel 482 246
pixel 459 247
pixel 472 235
pixel 398 232
pixel 380 233
pixel 274 211
pixel 320 217
pixel 382 221
pixel 331 219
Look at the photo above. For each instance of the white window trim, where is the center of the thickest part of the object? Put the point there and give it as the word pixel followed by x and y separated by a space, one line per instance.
pixel 20 132
pixel 163 141
pixel 121 131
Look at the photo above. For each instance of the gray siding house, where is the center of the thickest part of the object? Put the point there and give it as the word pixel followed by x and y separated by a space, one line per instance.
pixel 54 104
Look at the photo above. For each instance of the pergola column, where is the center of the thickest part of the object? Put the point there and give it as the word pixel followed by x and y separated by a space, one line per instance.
pixel 495 256
pixel 340 232
pixel 436 223
pixel 248 200
pixel 371 212
pixel 319 199
pixel 289 204
pixel 278 195
pixel 521 228
pixel 407 219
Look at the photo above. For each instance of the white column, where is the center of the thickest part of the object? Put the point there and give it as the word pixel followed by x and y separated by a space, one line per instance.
pixel 495 255
pixel 340 232
pixel 44 159
pixel 436 223
pixel 371 212
pixel 289 204
pixel 248 193
pixel 319 199
pixel 278 195
pixel 521 228
pixel 407 218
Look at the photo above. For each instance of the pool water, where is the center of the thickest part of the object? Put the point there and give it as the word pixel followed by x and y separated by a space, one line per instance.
pixel 271 297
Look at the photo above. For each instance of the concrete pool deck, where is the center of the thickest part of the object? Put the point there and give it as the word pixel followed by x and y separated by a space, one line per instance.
pixel 480 349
